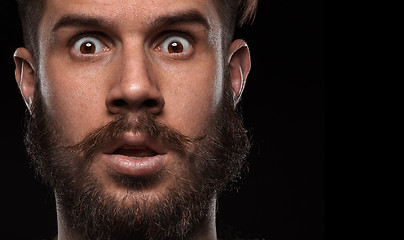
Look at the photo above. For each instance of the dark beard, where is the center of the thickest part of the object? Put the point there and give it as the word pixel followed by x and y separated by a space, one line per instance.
pixel 210 164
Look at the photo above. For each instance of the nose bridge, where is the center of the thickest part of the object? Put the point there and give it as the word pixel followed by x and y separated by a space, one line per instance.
pixel 134 68
pixel 134 88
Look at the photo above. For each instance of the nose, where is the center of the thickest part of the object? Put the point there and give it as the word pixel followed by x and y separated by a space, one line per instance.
pixel 134 89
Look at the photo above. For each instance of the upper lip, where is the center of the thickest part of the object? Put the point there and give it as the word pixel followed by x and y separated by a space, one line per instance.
pixel 131 140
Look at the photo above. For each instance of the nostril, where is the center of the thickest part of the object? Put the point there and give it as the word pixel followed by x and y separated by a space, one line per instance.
pixel 119 102
pixel 150 103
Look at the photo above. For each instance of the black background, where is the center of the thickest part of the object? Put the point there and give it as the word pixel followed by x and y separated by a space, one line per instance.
pixel 283 196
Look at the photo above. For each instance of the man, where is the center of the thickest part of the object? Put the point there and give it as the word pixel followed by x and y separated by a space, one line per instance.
pixel 132 116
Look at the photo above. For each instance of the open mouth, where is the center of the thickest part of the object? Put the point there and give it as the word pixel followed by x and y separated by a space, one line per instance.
pixel 136 155
pixel 135 151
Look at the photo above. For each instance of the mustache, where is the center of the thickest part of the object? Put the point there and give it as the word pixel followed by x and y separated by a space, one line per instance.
pixel 98 139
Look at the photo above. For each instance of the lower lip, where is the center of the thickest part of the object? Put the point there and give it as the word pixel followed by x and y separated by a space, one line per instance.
pixel 137 167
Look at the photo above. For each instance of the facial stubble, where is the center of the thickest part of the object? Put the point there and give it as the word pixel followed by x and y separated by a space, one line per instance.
pixel 208 165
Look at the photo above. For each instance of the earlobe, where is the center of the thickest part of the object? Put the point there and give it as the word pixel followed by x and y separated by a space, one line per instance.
pixel 25 74
pixel 239 66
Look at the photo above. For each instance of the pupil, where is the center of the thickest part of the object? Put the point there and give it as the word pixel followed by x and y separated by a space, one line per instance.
pixel 175 47
pixel 88 48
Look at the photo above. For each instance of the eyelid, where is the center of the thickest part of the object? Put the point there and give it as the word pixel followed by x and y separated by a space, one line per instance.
pixel 159 40
pixel 162 36
pixel 170 39
pixel 100 37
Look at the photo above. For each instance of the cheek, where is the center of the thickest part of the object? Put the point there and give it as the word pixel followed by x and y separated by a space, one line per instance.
pixel 75 95
pixel 73 99
pixel 192 97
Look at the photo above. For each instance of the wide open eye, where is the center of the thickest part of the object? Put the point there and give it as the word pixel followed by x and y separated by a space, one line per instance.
pixel 89 45
pixel 175 44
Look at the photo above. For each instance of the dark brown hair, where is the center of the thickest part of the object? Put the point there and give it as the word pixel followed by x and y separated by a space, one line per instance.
pixel 230 11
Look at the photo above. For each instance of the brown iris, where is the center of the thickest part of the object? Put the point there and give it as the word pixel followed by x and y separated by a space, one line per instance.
pixel 87 48
pixel 175 47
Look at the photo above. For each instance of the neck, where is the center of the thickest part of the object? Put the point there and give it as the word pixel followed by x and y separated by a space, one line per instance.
pixel 206 231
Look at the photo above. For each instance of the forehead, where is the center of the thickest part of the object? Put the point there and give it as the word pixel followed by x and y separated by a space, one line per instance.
pixel 136 13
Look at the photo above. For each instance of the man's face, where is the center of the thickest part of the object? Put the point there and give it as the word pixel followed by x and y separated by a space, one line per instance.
pixel 133 112
pixel 101 58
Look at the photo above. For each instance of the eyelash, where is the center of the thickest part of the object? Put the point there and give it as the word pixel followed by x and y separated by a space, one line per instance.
pixel 170 33
pixel 164 36
pixel 83 34
pixel 157 41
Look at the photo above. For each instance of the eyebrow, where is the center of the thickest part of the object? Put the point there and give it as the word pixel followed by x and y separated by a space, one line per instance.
pixel 73 20
pixel 189 16
pixel 78 20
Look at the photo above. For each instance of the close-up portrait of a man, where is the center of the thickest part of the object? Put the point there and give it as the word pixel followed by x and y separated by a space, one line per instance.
pixel 132 112
pixel 132 118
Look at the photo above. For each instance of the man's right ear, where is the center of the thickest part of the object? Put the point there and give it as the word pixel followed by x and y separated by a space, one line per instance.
pixel 25 74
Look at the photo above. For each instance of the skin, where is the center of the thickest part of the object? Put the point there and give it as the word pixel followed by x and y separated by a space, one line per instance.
pixel 131 71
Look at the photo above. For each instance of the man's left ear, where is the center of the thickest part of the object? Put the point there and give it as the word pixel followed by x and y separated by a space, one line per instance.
pixel 239 66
